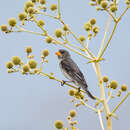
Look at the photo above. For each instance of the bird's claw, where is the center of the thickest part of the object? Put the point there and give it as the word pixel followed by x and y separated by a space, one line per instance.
pixel 62 83
pixel 79 89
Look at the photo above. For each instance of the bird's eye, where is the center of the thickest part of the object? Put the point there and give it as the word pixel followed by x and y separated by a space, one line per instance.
pixel 62 52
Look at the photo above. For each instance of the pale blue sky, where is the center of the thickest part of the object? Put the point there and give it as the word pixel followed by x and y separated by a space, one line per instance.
pixel 35 102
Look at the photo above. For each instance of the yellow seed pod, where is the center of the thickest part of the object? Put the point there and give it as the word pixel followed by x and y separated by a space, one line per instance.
pixel 99 1
pixel 113 84
pixel 124 87
pixel 96 29
pixel 34 1
pixel 104 4
pixel 92 4
pixel 40 23
pixel 82 102
pixel 48 40
pixel 28 49
pixel 69 118
pixel 59 124
pixel 42 2
pixel 32 64
pixel 113 8
pixel 98 8
pixel 45 52
pixel 58 33
pixel 65 28
pixel 77 105
pixel 16 60
pixel 87 26
pixel 75 122
pixel 82 38
pixel 72 113
pixel 12 22
pixel 9 65
pixel 22 16
pixel 4 28
pixel 30 10
pixel 53 7
pixel 71 92
pixel 127 2
pixel 29 4
pixel 105 78
pixel 112 3
pixel 10 71
pixel 25 68
pixel 119 93
pixel 92 21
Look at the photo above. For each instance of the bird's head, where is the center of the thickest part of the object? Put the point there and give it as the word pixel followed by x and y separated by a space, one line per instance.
pixel 62 54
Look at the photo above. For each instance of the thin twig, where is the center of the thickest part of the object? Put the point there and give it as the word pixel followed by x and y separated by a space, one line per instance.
pixel 103 41
pixel 20 29
pixel 59 14
pixel 122 14
pixel 90 107
pixel 120 103
pixel 46 14
pixel 100 119
pixel 108 41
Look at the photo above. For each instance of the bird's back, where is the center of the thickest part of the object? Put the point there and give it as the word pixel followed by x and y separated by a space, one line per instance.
pixel 72 71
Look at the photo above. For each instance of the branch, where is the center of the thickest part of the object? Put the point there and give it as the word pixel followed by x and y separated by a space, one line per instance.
pixel 90 107
pixel 108 41
pixel 100 119
pixel 46 14
pixel 20 29
pixel 122 14
pixel 107 27
pixel 105 104
pixel 111 15
pixel 90 53
pixel 54 78
pixel 120 103
pixel 59 14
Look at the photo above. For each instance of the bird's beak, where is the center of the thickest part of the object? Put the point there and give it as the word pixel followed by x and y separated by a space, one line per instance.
pixel 58 53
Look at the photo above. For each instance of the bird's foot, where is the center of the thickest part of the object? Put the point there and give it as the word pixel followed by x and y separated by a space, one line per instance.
pixel 79 89
pixel 63 82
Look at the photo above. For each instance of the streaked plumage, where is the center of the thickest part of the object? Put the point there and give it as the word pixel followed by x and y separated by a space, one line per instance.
pixel 71 71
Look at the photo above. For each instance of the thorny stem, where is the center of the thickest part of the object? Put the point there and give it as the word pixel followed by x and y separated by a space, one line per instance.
pixel 100 119
pixel 120 103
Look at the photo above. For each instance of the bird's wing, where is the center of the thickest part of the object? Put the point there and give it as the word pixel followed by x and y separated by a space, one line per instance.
pixel 71 68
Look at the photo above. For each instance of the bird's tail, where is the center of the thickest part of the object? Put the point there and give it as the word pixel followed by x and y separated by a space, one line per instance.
pixel 89 94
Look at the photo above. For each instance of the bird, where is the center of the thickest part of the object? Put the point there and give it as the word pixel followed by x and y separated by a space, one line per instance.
pixel 71 71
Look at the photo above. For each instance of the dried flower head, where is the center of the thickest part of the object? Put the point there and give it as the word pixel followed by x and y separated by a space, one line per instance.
pixel 59 124
pixel 16 60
